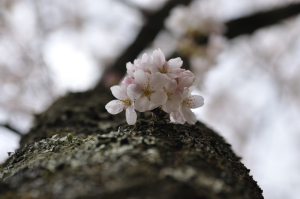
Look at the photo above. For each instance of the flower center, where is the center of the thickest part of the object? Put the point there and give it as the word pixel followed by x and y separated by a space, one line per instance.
pixel 168 92
pixel 127 102
pixel 165 68
pixel 146 91
pixel 188 101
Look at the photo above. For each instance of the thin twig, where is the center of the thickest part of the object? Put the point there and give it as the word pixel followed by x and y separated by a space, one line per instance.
pixel 11 128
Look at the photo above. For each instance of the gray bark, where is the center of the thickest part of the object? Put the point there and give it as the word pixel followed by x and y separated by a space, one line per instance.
pixel 110 159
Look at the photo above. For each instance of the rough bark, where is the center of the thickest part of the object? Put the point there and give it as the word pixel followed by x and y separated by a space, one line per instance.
pixel 110 159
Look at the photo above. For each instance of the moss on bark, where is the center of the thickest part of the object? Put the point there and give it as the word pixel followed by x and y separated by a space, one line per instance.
pixel 110 159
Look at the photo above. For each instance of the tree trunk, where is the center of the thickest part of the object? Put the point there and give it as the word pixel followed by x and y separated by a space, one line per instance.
pixel 109 159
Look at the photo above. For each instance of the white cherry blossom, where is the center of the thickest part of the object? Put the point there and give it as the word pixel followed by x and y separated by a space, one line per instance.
pixel 170 68
pixel 124 102
pixel 177 118
pixel 155 83
pixel 190 101
pixel 142 64
pixel 148 90
pixel 186 80
pixel 174 97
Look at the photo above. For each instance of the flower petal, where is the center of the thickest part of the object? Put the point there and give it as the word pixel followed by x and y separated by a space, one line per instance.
pixel 174 73
pixel 185 93
pixel 176 98
pixel 115 107
pixel 171 85
pixel 153 106
pixel 142 104
pixel 118 92
pixel 188 115
pixel 196 101
pixel 130 69
pixel 159 97
pixel 157 81
pixel 168 107
pixel 131 115
pixel 184 82
pixel 134 91
pixel 177 118
pixel 141 78
pixel 158 58
pixel 175 63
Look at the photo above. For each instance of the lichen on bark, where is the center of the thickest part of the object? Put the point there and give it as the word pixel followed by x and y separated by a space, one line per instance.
pixel 110 159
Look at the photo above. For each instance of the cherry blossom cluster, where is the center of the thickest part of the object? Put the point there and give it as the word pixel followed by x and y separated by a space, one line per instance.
pixel 154 83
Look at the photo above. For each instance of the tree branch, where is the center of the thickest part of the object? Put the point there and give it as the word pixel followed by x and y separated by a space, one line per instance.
pixel 249 24
pixel 236 27
pixel 147 34
pixel 11 128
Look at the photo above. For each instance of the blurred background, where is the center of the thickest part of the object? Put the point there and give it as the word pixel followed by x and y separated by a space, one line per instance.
pixel 250 83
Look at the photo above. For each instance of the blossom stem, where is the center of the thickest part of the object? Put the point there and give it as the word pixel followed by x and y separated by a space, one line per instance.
pixel 158 113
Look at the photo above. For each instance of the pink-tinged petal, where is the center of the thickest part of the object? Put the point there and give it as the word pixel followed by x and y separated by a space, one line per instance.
pixel 115 107
pixel 188 115
pixel 184 82
pixel 145 58
pixel 159 97
pixel 195 101
pixel 118 92
pixel 175 63
pixel 128 80
pixel 141 78
pixel 142 104
pixel 171 85
pixel 185 93
pixel 176 98
pixel 131 115
pixel 174 73
pixel 157 81
pixel 153 106
pixel 158 58
pixel 187 73
pixel 134 91
pixel 177 118
pixel 168 107
pixel 130 69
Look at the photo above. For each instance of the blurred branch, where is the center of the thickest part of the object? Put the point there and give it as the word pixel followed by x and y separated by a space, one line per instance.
pixel 11 128
pixel 155 23
pixel 236 27
pixel 249 24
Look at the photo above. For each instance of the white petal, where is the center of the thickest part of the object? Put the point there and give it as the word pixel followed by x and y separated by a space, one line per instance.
pixel 153 106
pixel 185 82
pixel 176 98
pixel 118 92
pixel 157 81
pixel 115 107
pixel 184 93
pixel 158 58
pixel 130 69
pixel 134 91
pixel 176 117
pixel 142 104
pixel 174 73
pixel 145 58
pixel 140 77
pixel 188 115
pixel 171 85
pixel 196 101
pixel 175 63
pixel 131 115
pixel 158 97
pixel 168 107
